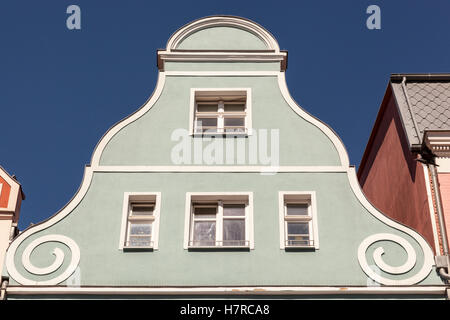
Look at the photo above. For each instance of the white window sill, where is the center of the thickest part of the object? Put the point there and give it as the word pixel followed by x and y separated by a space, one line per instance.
pixel 227 134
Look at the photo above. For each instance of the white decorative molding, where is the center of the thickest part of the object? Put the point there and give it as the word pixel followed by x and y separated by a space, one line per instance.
pixel 428 262
pixel 213 168
pixel 74 250
pixel 235 291
pixel 337 142
pixel 379 262
pixel 95 161
pixel 221 21
pixel 10 253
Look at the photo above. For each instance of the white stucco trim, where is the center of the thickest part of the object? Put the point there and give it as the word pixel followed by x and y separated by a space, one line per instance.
pixel 221 56
pixel 220 21
pixel 71 205
pixel 233 290
pixel 431 208
pixel 125 212
pixel 338 144
pixel 133 117
pixel 222 73
pixel 249 214
pixel 281 216
pixel 428 262
pixel 379 262
pixel 75 259
pixel 212 168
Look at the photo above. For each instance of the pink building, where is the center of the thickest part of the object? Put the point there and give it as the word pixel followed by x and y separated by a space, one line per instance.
pixel 11 197
pixel 405 169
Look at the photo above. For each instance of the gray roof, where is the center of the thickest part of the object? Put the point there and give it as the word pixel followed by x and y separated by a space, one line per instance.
pixel 424 103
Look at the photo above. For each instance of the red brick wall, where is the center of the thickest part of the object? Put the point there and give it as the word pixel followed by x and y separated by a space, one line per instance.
pixel 391 178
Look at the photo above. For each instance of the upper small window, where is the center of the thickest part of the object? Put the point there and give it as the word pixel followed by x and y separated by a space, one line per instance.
pixel 221 112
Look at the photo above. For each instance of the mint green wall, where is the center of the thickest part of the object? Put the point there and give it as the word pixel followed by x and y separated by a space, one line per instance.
pixel 222 38
pixel 343 224
pixel 147 141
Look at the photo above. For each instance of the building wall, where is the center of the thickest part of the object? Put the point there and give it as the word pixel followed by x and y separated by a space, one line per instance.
pixel 444 187
pixel 391 177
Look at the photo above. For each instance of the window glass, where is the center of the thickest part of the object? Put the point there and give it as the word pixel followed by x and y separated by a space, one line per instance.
pixel 204 233
pixel 234 122
pixel 297 228
pixel 140 229
pixel 228 107
pixel 299 209
pixel 207 107
pixel 207 122
pixel 142 210
pixel 205 212
pixel 234 209
pixel 233 231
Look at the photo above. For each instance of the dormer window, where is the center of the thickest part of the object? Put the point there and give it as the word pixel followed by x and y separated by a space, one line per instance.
pixel 224 112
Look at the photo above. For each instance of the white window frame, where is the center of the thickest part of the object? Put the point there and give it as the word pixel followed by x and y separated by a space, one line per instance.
pixel 309 197
pixel 131 198
pixel 217 92
pixel 221 198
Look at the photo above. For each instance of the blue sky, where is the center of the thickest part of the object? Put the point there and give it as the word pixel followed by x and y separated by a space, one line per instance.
pixel 60 90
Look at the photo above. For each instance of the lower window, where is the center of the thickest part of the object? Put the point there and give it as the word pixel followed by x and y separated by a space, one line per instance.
pixel 219 221
pixel 141 221
pixel 297 220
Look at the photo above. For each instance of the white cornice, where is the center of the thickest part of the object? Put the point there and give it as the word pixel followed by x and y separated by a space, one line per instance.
pixel 235 291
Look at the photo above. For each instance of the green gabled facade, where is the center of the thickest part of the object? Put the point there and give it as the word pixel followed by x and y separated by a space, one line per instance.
pixel 301 227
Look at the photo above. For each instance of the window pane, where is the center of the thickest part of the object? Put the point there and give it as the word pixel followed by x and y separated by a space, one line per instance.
pixel 300 209
pixel 234 107
pixel 205 212
pixel 295 228
pixel 206 122
pixel 142 210
pixel 234 232
pixel 139 241
pixel 204 233
pixel 141 229
pixel 234 209
pixel 234 122
pixel 207 107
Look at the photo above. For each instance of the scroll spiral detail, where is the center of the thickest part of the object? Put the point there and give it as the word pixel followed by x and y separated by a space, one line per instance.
pixel 57 263
pixel 382 265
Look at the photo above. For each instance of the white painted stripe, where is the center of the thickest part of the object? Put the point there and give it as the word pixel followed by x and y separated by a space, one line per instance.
pixel 250 290
pixel 264 169
pixel 223 73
